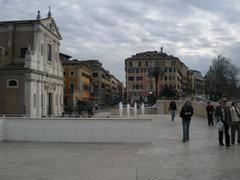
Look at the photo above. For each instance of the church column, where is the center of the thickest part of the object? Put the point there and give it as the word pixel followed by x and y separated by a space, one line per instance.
pixel 27 97
pixel 38 99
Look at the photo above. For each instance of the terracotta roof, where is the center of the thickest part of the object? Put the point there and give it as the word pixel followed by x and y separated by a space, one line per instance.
pixel 151 54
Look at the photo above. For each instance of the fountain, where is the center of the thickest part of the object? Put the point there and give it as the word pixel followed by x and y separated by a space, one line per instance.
pixel 142 108
pixel 128 110
pixel 135 109
pixel 120 109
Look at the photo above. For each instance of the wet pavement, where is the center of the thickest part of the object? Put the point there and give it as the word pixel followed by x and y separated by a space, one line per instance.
pixel 167 158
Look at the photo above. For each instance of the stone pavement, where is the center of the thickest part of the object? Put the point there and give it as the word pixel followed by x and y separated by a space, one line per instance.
pixel 166 159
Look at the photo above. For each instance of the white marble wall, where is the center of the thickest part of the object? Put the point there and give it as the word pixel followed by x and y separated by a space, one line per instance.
pixel 1 130
pixel 75 130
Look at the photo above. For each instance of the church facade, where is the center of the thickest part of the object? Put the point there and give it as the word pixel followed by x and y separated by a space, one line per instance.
pixel 31 74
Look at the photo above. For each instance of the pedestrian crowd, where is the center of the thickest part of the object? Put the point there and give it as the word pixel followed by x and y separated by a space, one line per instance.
pixel 227 118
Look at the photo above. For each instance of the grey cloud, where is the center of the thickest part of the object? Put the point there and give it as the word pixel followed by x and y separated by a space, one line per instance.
pixel 232 52
pixel 111 31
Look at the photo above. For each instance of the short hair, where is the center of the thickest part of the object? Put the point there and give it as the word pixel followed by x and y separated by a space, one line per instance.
pixel 187 102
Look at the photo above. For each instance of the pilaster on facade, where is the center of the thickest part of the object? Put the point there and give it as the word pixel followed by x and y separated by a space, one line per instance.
pixel 27 98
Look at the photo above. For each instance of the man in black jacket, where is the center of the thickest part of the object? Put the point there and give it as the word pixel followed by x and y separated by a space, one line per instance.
pixel 172 108
pixel 222 113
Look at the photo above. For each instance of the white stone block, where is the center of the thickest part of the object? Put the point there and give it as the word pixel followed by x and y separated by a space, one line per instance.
pixel 1 129
pixel 75 130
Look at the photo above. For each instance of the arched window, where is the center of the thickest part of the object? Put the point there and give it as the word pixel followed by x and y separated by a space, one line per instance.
pixel 12 83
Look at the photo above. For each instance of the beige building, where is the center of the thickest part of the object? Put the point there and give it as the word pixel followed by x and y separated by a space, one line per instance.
pixel 140 84
pixel 31 74
pixel 196 85
pixel 184 79
pixel 116 90
pixel 106 87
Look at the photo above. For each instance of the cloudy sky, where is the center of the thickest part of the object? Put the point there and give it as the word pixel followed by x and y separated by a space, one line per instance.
pixel 112 30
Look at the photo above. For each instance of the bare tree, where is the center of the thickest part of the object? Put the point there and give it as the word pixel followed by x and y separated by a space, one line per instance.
pixel 222 78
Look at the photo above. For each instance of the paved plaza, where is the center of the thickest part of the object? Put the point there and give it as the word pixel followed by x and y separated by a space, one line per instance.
pixel 167 158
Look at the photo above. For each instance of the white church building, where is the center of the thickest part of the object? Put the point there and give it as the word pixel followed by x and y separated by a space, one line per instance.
pixel 31 74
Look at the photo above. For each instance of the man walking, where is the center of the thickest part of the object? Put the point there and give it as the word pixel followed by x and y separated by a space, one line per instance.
pixel 235 126
pixel 210 110
pixel 172 108
pixel 222 113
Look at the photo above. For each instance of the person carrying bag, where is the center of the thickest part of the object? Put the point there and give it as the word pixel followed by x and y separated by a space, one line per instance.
pixel 222 114
pixel 235 125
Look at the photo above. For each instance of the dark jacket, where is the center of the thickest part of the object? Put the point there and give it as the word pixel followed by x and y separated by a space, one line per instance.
pixel 210 109
pixel 186 112
pixel 219 115
pixel 172 106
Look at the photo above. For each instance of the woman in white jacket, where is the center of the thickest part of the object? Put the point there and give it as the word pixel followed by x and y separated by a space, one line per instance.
pixel 235 126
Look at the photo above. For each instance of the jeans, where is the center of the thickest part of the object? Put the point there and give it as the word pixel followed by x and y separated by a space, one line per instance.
pixel 227 137
pixel 173 114
pixel 210 119
pixel 235 127
pixel 185 125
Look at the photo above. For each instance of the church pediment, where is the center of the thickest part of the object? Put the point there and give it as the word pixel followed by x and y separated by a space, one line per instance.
pixel 50 24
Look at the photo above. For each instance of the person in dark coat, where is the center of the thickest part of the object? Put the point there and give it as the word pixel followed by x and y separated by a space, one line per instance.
pixel 186 114
pixel 172 108
pixel 235 125
pixel 222 113
pixel 210 110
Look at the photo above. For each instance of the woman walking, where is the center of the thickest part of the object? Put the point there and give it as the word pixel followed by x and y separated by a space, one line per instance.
pixel 186 114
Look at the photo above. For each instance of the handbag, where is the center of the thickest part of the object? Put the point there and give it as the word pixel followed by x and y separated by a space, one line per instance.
pixel 220 125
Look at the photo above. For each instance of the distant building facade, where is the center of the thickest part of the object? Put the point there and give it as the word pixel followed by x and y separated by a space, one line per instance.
pixel 31 74
pixel 183 69
pixel 139 83
pixel 77 81
pixel 196 85
pixel 107 89
pixel 116 90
